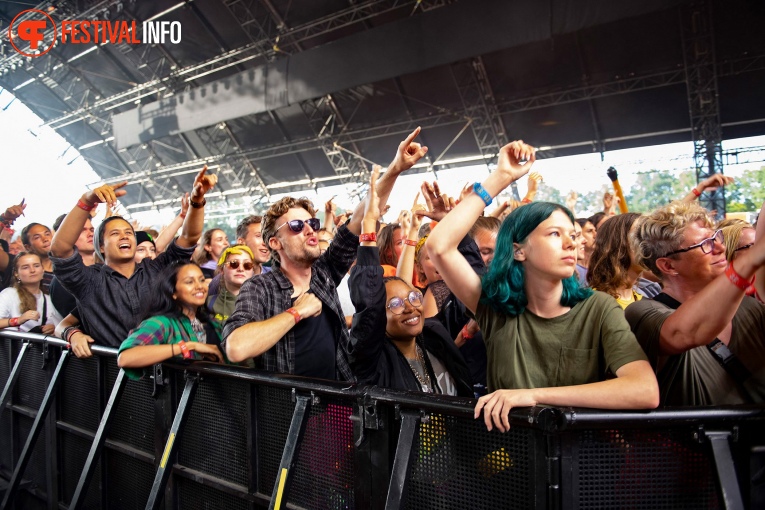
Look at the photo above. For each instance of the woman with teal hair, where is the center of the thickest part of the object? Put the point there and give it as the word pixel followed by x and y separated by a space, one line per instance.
pixel 548 341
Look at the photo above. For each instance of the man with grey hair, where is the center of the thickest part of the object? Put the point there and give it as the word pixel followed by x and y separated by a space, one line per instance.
pixel 704 338
pixel 290 320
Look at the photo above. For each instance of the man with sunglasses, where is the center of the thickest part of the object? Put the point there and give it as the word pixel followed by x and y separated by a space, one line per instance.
pixel 704 338
pixel 290 320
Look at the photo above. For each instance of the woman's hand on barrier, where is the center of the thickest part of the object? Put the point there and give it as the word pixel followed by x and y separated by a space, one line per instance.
pixel 497 405
pixel 48 329
pixel 29 315
pixel 81 344
pixel 208 351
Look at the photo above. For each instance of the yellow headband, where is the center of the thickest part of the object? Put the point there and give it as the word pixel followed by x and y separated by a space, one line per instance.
pixel 237 249
pixel 419 246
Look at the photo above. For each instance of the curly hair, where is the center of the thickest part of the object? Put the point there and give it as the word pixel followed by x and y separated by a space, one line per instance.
pixel 662 232
pixel 504 284
pixel 277 210
pixel 611 258
pixel 28 301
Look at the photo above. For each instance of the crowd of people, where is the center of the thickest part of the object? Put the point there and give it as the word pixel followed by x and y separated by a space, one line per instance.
pixel 518 305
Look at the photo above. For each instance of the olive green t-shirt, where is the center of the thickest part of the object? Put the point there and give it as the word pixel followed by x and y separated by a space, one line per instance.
pixel 695 378
pixel 586 344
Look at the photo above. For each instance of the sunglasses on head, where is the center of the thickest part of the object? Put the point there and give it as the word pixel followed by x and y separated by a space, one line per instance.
pixel 298 225
pixel 234 264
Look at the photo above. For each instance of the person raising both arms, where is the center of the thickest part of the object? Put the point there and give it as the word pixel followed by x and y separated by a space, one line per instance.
pixel 110 297
pixel 548 341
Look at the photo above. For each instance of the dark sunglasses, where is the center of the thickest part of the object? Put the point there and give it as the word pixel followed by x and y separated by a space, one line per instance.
pixel 298 225
pixel 246 265
pixel 397 305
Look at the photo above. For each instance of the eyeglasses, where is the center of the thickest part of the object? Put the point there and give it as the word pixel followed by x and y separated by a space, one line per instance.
pixel 745 247
pixel 246 265
pixel 707 245
pixel 298 225
pixel 397 305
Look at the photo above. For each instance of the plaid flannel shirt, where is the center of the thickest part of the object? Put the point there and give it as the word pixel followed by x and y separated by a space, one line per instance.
pixel 266 295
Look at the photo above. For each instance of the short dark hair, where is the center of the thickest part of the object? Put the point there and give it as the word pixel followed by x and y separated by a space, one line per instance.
pixel 58 221
pixel 241 229
pixel 25 232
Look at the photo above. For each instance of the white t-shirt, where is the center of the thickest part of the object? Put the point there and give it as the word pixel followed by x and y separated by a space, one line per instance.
pixel 10 306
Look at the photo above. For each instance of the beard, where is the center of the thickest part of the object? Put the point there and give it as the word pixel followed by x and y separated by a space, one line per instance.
pixel 304 255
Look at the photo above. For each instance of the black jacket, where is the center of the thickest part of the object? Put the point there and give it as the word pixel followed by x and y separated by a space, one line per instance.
pixel 374 358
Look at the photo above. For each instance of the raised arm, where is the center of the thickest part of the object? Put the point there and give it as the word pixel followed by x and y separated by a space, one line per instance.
pixel 6 220
pixel 443 241
pixel 408 154
pixel 759 282
pixel 195 219
pixel 69 231
pixel 711 183
pixel 405 267
pixel 167 235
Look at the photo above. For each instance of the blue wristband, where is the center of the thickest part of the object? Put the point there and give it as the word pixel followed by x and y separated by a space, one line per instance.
pixel 481 192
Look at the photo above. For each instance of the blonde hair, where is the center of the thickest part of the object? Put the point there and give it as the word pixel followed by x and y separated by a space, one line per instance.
pixel 732 233
pixel 662 232
pixel 200 255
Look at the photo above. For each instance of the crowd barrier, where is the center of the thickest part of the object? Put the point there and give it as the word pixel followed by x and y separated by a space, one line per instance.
pixel 76 433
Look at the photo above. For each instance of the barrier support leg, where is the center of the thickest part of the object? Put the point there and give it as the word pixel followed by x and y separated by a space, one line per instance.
pixel 156 497
pixel 726 469
pixel 98 442
pixel 291 450
pixel 37 427
pixel 398 478
pixel 10 383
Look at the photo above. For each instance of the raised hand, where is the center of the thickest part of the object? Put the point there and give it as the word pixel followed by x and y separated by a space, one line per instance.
pixel 714 181
pixel 439 204
pixel 184 205
pixel 12 213
pixel 466 190
pixel 203 183
pixel 372 206
pixel 608 202
pixel 107 194
pixel 408 154
pixel 534 179
pixel 571 199
pixel 330 207
pixel 515 160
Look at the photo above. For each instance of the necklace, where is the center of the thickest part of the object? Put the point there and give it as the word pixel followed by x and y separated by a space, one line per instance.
pixel 424 381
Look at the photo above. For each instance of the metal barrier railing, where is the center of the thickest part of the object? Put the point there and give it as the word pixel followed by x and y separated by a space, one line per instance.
pixel 75 433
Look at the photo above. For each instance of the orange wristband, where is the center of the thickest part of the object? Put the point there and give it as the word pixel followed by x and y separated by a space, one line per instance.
pixel 294 314
pixel 368 238
pixel 410 242
pixel 696 192
pixel 184 349
pixel 85 206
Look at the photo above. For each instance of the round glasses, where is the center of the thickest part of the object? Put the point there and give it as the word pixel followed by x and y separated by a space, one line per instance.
pixel 397 305
pixel 707 245
pixel 246 265
pixel 297 225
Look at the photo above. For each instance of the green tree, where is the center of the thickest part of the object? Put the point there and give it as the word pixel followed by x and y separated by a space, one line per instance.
pixel 547 193
pixel 657 188
pixel 748 192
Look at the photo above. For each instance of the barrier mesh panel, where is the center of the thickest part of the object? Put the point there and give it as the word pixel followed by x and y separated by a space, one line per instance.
pixel 193 496
pixel 644 469
pixel 73 451
pixel 130 481
pixel 214 439
pixel 78 395
pixel 6 442
pixel 133 422
pixel 33 380
pixel 326 465
pixel 274 411
pixel 35 470
pixel 457 463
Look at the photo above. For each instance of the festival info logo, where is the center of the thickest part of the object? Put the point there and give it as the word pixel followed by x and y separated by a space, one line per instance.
pixel 37 33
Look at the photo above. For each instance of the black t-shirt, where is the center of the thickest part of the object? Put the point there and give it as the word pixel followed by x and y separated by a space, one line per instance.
pixel 6 276
pixel 315 346
pixel 61 298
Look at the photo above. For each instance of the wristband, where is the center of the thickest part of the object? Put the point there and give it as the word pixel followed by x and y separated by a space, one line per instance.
pixel 184 349
pixel 465 333
pixel 85 206
pixel 481 192
pixel 69 333
pixel 736 279
pixel 410 242
pixel 13 322
pixel 696 192
pixel 526 200
pixel 197 205
pixel 368 238
pixel 295 314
